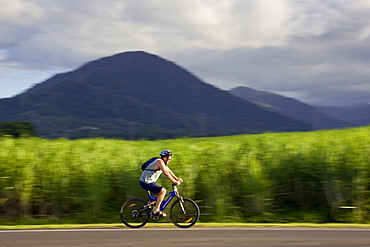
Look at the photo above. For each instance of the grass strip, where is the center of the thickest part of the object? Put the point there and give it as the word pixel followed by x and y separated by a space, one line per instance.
pixel 161 225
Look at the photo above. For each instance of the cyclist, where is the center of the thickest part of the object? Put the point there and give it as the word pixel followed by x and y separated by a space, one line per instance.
pixel 151 174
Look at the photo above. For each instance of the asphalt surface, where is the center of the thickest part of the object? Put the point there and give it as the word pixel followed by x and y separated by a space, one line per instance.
pixel 230 236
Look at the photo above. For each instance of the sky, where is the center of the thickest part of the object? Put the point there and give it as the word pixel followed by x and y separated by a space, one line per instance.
pixel 316 51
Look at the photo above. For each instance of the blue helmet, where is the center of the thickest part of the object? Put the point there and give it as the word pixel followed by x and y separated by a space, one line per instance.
pixel 166 153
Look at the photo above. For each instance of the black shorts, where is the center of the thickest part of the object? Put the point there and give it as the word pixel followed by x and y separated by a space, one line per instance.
pixel 152 187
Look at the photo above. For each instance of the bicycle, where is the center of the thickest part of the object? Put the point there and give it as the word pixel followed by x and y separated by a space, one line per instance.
pixel 183 213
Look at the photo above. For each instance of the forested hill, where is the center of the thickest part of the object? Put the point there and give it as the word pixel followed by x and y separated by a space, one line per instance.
pixel 137 95
pixel 291 108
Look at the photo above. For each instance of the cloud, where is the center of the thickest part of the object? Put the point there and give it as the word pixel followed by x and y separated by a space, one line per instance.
pixel 312 49
pixel 75 30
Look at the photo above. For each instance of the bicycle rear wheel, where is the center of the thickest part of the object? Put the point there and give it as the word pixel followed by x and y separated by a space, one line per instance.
pixel 134 213
pixel 184 213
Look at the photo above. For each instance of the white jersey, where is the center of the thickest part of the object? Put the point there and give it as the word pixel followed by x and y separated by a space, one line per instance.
pixel 149 175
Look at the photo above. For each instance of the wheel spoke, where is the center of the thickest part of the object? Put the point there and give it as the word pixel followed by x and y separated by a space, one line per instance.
pixel 134 214
pixel 184 213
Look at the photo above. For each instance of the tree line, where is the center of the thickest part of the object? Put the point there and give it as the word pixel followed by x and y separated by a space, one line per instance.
pixel 17 129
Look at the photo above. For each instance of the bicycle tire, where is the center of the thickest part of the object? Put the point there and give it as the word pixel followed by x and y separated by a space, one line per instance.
pixel 184 219
pixel 134 214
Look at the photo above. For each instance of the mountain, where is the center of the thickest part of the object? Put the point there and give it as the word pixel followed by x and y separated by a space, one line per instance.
pixel 290 107
pixel 357 115
pixel 137 95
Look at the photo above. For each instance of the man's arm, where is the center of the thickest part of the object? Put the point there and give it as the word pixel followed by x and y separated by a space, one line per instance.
pixel 173 175
pixel 167 172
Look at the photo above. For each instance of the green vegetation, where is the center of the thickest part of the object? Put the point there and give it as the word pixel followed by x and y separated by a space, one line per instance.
pixel 315 177
pixel 170 225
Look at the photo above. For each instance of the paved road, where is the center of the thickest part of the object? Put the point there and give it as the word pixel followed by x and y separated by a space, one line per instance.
pixel 174 237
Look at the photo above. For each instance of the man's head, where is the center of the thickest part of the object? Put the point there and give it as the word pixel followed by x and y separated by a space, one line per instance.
pixel 166 155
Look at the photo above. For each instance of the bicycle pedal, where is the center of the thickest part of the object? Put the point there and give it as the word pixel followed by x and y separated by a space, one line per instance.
pixel 154 217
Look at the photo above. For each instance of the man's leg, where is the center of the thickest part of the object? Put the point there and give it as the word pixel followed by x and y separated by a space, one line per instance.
pixel 160 197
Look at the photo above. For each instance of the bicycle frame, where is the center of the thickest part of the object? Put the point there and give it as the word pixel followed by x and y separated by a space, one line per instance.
pixel 183 212
pixel 170 195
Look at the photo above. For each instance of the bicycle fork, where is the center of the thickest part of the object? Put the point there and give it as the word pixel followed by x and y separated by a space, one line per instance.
pixel 181 202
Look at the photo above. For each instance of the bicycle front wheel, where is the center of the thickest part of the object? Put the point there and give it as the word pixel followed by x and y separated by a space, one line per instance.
pixel 184 213
pixel 134 213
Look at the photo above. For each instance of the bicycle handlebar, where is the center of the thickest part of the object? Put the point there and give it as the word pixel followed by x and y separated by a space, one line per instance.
pixel 175 184
pixel 174 187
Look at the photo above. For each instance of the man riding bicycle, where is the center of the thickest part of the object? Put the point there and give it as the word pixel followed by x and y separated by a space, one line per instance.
pixel 151 174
